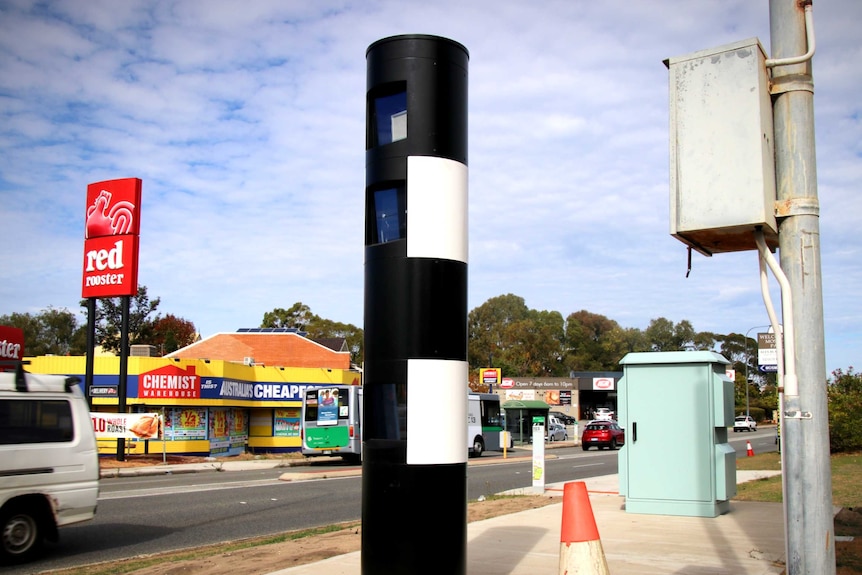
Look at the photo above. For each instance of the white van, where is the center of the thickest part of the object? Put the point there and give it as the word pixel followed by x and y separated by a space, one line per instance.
pixel 49 463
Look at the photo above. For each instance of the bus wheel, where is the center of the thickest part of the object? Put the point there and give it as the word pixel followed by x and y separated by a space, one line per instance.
pixel 478 447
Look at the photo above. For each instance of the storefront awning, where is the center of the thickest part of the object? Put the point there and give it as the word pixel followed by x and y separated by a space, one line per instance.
pixel 525 404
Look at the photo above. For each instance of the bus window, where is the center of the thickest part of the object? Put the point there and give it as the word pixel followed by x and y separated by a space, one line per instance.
pixel 491 414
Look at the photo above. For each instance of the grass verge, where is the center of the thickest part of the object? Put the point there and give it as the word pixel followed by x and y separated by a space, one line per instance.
pixel 846 479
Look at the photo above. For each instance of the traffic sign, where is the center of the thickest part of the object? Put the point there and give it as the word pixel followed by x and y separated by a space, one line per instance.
pixel 767 355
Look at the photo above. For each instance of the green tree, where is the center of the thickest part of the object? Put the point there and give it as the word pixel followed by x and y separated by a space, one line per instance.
pixel 109 314
pixel 488 343
pixel 321 328
pixel 844 393
pixel 532 347
pixel 705 340
pixel 503 332
pixel 29 324
pixel 633 340
pixel 664 335
pixel 50 332
pixel 659 333
pixel 733 349
pixel 300 317
pixel 594 342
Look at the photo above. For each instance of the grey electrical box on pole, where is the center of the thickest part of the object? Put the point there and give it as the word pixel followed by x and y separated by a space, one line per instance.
pixel 722 174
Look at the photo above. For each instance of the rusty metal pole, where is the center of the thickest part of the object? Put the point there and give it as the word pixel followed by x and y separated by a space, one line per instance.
pixel 805 423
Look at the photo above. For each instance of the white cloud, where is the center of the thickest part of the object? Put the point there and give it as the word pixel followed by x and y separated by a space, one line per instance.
pixel 246 124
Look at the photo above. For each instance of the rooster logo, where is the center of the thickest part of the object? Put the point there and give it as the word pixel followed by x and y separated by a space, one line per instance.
pixel 103 219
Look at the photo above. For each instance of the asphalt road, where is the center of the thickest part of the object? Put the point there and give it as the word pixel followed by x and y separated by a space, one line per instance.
pixel 152 514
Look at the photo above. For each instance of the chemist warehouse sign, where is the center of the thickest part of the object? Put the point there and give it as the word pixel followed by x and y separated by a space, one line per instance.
pixel 111 229
pixel 173 382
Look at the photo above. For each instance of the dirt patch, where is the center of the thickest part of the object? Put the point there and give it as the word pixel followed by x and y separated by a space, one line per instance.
pixel 268 558
pixel 848 554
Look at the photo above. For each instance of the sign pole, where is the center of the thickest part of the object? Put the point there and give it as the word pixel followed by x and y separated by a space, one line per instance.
pixel 91 350
pixel 164 439
pixel 124 371
pixel 539 455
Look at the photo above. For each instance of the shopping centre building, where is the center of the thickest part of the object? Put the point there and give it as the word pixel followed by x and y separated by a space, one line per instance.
pixel 224 395
pixel 577 396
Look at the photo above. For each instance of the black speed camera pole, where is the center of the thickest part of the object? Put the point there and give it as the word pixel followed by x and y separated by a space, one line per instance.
pixel 414 470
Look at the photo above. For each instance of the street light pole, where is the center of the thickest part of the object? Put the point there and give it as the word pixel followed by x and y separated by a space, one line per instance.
pixel 747 361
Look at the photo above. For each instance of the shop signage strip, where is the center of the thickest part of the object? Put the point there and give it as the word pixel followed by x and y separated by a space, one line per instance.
pixel 126 425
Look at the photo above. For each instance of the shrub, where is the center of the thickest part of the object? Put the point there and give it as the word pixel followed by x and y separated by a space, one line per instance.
pixel 845 411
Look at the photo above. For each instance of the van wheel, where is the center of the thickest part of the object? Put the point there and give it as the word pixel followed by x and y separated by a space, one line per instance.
pixel 21 535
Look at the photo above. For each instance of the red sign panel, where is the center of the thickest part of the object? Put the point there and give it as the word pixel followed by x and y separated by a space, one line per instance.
pixel 11 343
pixel 111 233
pixel 170 382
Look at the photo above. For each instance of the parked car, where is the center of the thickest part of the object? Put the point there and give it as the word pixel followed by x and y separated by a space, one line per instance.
pixel 603 434
pixel 744 423
pixel 564 419
pixel 557 432
pixel 604 414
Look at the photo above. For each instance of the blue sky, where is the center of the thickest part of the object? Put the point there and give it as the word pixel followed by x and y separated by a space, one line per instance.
pixel 246 120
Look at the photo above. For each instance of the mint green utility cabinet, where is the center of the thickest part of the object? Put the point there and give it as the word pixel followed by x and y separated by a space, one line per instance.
pixel 676 408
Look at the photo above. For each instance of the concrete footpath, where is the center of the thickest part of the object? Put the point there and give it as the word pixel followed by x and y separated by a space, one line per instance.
pixel 749 540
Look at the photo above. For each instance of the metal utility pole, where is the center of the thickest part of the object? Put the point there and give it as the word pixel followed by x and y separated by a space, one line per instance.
pixel 805 424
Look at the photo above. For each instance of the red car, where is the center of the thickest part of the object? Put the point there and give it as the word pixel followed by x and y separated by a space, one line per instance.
pixel 602 434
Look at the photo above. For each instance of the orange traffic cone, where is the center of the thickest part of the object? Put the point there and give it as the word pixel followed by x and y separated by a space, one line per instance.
pixel 581 550
pixel 750 450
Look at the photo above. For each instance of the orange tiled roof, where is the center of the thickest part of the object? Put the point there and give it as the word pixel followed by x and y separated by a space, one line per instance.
pixel 276 349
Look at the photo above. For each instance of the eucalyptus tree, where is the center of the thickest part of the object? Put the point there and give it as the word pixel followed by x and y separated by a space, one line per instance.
pixel 299 316
pixel 594 342
pixel 50 332
pixel 488 342
pixel 109 314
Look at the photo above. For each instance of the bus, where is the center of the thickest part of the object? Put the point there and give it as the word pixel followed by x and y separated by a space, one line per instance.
pixel 332 421
pixel 486 424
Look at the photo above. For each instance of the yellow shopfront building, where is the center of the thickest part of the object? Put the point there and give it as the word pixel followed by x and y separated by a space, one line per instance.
pixel 214 406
